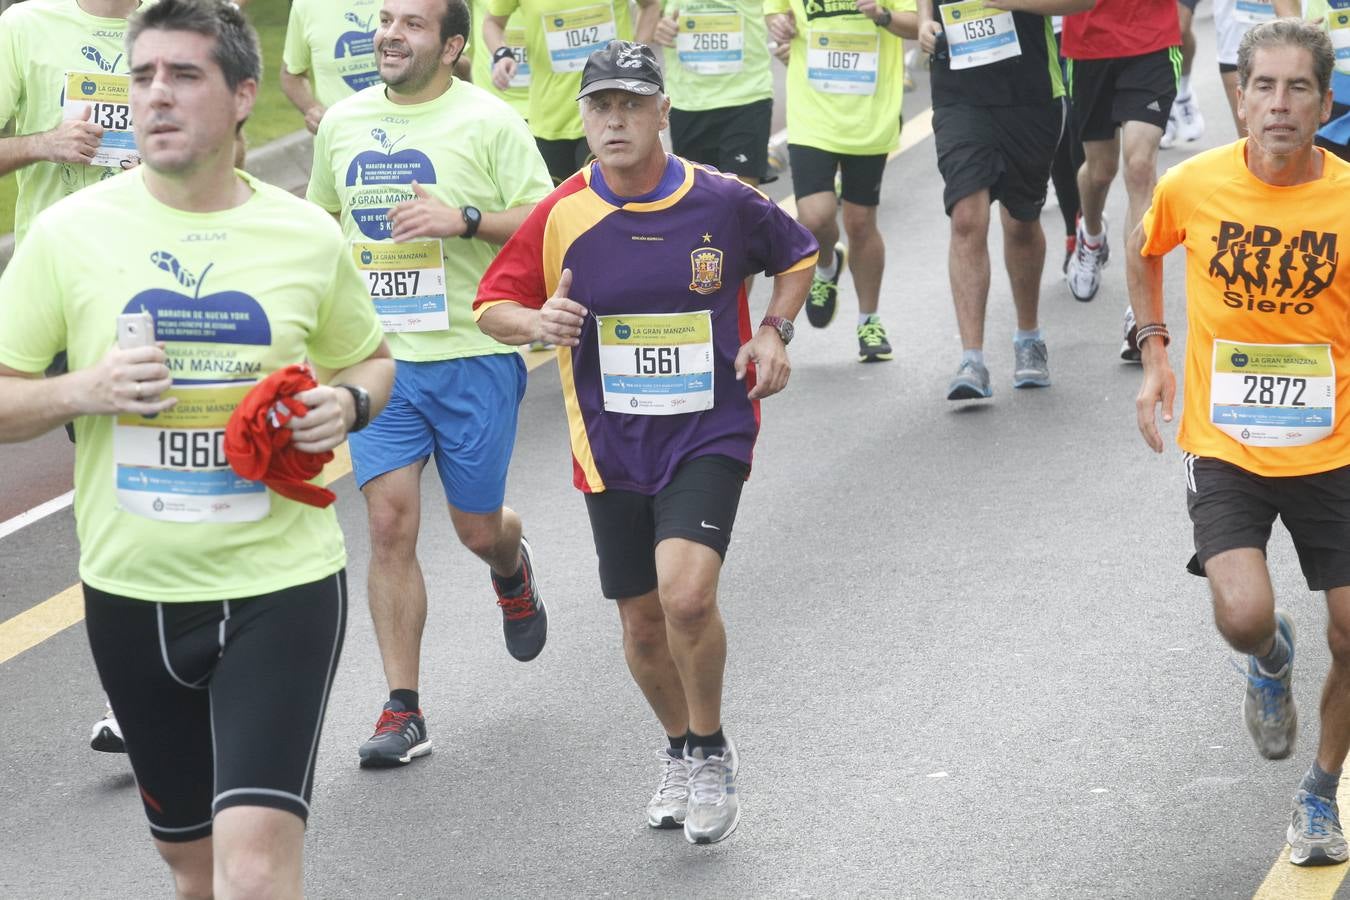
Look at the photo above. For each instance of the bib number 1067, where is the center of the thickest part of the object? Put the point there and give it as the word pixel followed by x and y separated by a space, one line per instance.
pixel 1273 390
pixel 657 360
pixel 192 449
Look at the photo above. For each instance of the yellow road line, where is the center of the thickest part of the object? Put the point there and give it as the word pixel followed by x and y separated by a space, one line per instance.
pixel 54 615
pixel 1290 882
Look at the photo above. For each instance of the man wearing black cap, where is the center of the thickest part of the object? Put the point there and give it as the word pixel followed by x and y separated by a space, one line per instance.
pixel 662 376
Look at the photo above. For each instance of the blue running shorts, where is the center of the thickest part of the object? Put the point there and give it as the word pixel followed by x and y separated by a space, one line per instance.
pixel 462 411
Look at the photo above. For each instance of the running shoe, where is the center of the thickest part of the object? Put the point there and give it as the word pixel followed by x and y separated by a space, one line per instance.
pixel 872 343
pixel 1169 137
pixel 823 300
pixel 106 736
pixel 971 382
pixel 1268 706
pixel 713 806
pixel 667 807
pixel 1315 837
pixel 1190 123
pixel 400 736
pixel 1084 272
pixel 1070 244
pixel 524 618
pixel 1032 364
pixel 1129 346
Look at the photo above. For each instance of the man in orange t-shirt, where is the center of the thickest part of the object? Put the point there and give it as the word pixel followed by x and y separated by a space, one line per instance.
pixel 1264 424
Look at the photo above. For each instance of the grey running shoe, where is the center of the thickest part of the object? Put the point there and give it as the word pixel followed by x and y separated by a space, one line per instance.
pixel 1129 346
pixel 524 618
pixel 1268 706
pixel 667 807
pixel 713 807
pixel 1032 366
pixel 1084 273
pixel 400 737
pixel 1314 835
pixel 823 300
pixel 872 343
pixel 106 736
pixel 971 382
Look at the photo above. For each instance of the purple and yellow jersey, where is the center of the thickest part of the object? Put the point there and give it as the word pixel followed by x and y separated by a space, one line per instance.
pixel 663 278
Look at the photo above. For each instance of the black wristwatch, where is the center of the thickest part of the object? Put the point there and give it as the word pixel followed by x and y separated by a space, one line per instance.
pixel 782 326
pixel 361 400
pixel 502 53
pixel 883 20
pixel 472 219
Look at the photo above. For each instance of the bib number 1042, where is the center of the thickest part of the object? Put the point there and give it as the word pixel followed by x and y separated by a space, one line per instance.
pixel 1269 390
pixel 197 449
pixel 656 360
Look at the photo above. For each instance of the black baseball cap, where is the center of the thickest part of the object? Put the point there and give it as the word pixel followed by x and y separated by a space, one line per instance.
pixel 622 66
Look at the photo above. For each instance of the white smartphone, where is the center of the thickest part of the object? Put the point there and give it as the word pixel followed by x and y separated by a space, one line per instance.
pixel 135 330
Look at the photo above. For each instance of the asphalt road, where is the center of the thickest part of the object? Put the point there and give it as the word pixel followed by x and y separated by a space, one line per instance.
pixel 965 660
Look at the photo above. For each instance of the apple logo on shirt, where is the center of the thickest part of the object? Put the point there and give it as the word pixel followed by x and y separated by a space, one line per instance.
pixel 371 169
pixel 359 43
pixel 225 317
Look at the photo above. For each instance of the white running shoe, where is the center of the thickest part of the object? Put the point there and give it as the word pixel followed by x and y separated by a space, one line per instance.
pixel 714 808
pixel 667 807
pixel 1169 137
pixel 1084 272
pixel 1190 123
pixel 106 735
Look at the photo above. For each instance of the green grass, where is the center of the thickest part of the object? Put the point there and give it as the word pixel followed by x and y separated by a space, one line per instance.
pixel 273 115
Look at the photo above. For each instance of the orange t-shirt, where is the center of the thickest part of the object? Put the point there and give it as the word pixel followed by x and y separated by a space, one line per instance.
pixel 1268 354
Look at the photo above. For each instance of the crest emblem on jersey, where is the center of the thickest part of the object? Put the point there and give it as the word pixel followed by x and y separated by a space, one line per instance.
pixel 707 266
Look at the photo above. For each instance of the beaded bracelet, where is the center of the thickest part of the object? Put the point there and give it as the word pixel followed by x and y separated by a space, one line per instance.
pixel 1145 332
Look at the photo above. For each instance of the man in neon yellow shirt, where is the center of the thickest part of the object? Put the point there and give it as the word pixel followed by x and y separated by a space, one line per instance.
pixel 719 83
pixel 517 92
pixel 61 144
pixel 559 36
pixel 844 90
pixel 335 43
pixel 203 591
pixel 429 175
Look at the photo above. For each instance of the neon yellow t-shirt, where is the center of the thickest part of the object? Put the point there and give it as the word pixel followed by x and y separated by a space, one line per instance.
pixel 559 36
pixel 41 42
pixel 467 148
pixel 335 40
pixel 846 78
pixel 721 55
pixel 518 95
pixel 236 295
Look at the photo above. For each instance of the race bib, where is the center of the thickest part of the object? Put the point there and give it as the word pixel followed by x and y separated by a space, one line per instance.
pixel 1338 26
pixel 573 35
pixel 656 365
pixel 515 39
pixel 406 283
pixel 711 43
pixel 1253 12
pixel 172 468
pixel 1273 395
pixel 106 99
pixel 842 62
pixel 978 35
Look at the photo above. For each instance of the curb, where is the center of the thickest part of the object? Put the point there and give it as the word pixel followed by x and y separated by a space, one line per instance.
pixel 284 162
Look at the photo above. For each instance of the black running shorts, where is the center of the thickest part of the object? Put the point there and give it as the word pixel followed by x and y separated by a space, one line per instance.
pixel 813 172
pixel 1232 508
pixel 1107 92
pixel 734 139
pixel 1006 149
pixel 698 505
pixel 220 702
pixel 564 157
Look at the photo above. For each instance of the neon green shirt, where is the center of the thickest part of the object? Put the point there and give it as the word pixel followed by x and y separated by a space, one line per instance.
pixel 467 148
pixel 335 40
pixel 518 95
pixel 236 295
pixel 40 42
pixel 845 79
pixel 559 36
pixel 721 56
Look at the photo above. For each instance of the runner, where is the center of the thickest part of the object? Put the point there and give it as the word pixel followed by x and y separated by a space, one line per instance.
pixel 428 175
pixel 517 92
pixel 998 113
pixel 845 86
pixel 721 89
pixel 334 44
pixel 1264 422
pixel 559 36
pixel 215 607
pixel 662 379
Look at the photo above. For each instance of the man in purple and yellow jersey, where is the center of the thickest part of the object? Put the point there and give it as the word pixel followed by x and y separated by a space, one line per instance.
pixel 662 376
